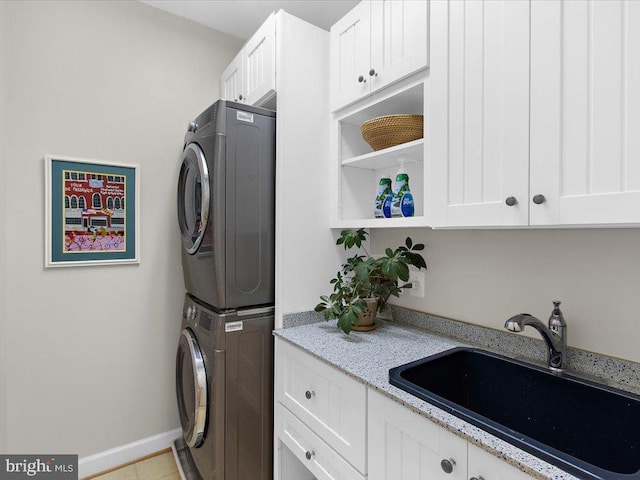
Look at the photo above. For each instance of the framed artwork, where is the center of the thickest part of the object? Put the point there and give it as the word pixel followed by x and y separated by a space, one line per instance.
pixel 92 212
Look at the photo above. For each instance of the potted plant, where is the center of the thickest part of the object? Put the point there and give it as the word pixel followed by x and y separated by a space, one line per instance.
pixel 366 282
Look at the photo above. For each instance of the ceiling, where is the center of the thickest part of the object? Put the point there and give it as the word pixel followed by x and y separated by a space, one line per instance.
pixel 241 18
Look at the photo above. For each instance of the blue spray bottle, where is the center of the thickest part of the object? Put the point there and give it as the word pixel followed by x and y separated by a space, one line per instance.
pixel 402 201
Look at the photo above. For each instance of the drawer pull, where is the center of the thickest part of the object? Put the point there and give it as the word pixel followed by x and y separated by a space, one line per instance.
pixel 309 394
pixel 477 478
pixel 309 454
pixel 447 465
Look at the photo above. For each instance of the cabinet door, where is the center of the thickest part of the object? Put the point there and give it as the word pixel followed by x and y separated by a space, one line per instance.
pixel 399 39
pixel 484 465
pixel 231 80
pixel 405 446
pixel 350 56
pixel 585 112
pixel 259 63
pixel 479 124
pixel 329 402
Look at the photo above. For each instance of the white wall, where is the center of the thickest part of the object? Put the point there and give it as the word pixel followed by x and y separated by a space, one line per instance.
pixel 3 336
pixel 484 277
pixel 91 350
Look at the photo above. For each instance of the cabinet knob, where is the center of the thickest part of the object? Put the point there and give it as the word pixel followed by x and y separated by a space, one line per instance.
pixel 539 199
pixel 372 73
pixel 309 394
pixel 447 465
pixel 240 97
pixel 477 478
pixel 309 454
pixel 361 79
pixel 511 201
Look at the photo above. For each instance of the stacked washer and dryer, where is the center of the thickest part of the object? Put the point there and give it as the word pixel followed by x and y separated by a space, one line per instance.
pixel 224 363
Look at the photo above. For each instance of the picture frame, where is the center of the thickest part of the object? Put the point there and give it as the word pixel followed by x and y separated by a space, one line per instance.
pixel 92 212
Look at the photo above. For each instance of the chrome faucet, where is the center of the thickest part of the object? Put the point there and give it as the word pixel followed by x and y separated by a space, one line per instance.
pixel 555 336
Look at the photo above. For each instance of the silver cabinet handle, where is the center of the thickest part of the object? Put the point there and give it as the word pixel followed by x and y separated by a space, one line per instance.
pixel 309 394
pixel 539 199
pixel 447 465
pixel 372 73
pixel 511 201
pixel 240 97
pixel 477 478
pixel 361 79
pixel 309 454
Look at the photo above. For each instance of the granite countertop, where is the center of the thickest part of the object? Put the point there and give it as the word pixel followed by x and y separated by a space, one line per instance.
pixel 367 357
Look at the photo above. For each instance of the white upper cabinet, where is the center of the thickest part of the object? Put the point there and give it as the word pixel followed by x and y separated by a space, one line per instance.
pixel 585 112
pixel 350 51
pixel 251 77
pixel 375 44
pixel 479 111
pixel 534 110
pixel 399 39
pixel 231 81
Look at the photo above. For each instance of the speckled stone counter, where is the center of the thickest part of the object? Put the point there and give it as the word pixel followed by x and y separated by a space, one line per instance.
pixel 367 357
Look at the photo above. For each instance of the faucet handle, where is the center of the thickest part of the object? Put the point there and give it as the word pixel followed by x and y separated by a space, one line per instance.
pixel 556 320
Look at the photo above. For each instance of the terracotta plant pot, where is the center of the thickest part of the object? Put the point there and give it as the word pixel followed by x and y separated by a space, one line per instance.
pixel 366 319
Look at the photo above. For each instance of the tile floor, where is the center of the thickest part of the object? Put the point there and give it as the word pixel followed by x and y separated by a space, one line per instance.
pixel 160 467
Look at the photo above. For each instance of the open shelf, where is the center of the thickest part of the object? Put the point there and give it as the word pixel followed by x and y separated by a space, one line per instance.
pixel 412 151
pixel 359 169
pixel 409 100
pixel 381 222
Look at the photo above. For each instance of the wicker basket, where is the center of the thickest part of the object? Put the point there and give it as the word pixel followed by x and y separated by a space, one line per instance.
pixel 390 130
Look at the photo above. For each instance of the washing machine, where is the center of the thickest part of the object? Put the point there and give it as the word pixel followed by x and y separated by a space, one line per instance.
pixel 224 378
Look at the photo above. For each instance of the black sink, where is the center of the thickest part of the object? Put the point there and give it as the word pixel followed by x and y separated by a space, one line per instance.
pixel 587 429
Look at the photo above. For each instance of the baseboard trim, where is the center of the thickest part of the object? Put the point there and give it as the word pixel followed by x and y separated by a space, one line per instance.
pixel 125 454
pixel 132 462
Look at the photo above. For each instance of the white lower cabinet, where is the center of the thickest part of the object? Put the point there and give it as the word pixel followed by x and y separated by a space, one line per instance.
pixel 405 446
pixel 330 403
pixel 320 419
pixel 329 426
pixel 310 450
pixel 482 465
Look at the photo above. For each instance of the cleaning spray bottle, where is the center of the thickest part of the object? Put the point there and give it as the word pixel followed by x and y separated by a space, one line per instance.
pixel 382 207
pixel 402 202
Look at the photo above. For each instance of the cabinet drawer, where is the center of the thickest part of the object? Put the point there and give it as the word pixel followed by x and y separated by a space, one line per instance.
pixel 313 453
pixel 329 402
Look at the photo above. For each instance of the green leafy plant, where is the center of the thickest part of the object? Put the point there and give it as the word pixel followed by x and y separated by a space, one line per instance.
pixel 363 276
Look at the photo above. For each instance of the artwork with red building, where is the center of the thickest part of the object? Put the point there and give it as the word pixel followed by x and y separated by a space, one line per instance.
pixel 94 212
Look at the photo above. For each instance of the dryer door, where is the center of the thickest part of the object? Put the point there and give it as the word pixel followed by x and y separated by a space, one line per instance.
pixel 193 197
pixel 191 389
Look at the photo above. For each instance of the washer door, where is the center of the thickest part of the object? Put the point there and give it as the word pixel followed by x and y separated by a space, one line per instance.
pixel 191 389
pixel 193 197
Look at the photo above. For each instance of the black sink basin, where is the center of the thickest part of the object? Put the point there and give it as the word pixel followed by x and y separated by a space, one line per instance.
pixel 587 429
